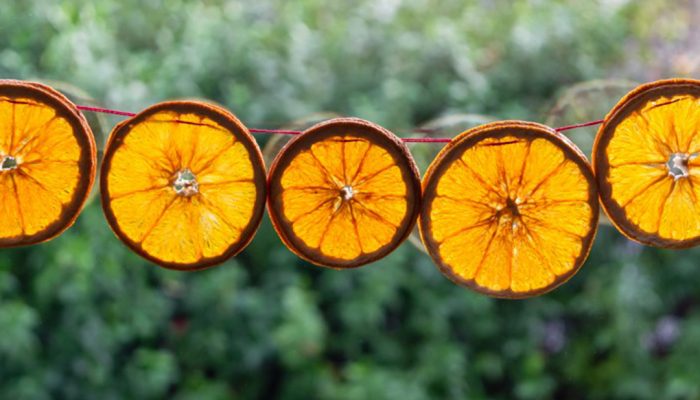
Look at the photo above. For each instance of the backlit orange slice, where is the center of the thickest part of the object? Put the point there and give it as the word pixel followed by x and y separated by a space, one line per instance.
pixel 344 193
pixel 47 163
pixel 183 184
pixel 510 209
pixel 646 161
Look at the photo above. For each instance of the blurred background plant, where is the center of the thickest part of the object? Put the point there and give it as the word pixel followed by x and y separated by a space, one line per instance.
pixel 81 317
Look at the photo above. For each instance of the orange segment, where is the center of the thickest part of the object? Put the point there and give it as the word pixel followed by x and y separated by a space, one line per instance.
pixel 509 209
pixel 646 161
pixel 344 193
pixel 47 163
pixel 183 184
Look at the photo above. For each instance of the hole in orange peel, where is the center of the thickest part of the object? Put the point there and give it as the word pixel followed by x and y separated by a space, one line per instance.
pixel 678 165
pixel 346 192
pixel 8 163
pixel 185 183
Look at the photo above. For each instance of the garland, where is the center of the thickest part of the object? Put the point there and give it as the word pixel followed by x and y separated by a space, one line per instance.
pixel 508 209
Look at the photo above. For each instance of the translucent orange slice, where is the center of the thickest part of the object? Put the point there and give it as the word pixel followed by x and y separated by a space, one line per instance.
pixel 183 184
pixel 646 161
pixel 510 209
pixel 47 163
pixel 344 193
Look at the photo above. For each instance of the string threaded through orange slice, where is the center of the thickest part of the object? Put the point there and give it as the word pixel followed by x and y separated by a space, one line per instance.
pixel 646 162
pixel 510 209
pixel 47 163
pixel 183 184
pixel 344 193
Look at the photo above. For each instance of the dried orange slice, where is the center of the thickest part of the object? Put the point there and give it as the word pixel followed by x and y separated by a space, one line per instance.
pixel 510 209
pixel 646 161
pixel 344 193
pixel 183 184
pixel 47 163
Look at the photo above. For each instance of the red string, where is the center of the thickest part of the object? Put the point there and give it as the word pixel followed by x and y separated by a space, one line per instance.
pixel 106 111
pixel 427 140
pixel 581 125
pixel 274 131
pixel 289 132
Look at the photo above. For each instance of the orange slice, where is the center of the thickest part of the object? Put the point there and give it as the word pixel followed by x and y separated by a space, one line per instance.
pixel 47 163
pixel 510 209
pixel 344 193
pixel 646 161
pixel 183 184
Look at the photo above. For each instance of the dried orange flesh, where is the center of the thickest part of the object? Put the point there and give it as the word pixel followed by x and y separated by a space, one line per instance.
pixel 42 167
pixel 182 188
pixel 345 197
pixel 509 210
pixel 650 165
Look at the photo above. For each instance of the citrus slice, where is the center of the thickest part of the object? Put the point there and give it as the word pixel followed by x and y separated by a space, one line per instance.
pixel 183 184
pixel 510 209
pixel 47 163
pixel 344 193
pixel 646 161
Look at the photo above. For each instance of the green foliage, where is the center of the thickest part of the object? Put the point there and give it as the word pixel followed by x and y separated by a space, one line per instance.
pixel 81 317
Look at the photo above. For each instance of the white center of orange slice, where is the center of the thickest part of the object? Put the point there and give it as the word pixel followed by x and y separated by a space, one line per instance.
pixel 8 163
pixel 185 183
